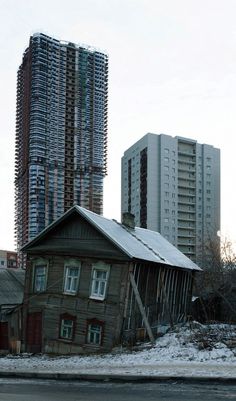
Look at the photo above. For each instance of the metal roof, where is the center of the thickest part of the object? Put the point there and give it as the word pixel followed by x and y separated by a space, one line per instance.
pixel 11 286
pixel 139 243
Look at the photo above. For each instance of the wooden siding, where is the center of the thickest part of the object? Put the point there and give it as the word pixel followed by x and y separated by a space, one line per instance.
pixel 165 293
pixel 53 302
pixel 77 236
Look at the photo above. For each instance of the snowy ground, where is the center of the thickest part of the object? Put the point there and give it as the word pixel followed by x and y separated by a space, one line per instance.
pixel 196 351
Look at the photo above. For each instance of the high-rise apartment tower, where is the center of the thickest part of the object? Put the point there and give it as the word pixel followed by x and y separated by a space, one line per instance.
pixel 61 132
pixel 172 185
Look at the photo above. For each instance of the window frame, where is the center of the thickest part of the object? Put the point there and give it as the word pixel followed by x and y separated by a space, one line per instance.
pixel 95 322
pixel 70 264
pixel 99 266
pixel 63 317
pixel 39 263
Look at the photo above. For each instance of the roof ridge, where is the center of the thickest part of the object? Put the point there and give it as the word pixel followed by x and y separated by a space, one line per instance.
pixel 139 239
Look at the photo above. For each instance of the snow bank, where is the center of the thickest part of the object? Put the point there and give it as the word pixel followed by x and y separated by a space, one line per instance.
pixel 198 350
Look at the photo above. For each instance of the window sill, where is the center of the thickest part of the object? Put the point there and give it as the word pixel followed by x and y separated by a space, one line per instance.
pixel 70 293
pixel 97 346
pixel 101 299
pixel 65 340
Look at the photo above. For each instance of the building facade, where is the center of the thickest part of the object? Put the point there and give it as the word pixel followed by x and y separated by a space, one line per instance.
pixel 61 132
pixel 8 259
pixel 172 185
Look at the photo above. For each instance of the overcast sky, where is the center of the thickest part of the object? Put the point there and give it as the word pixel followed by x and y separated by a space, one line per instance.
pixel 172 70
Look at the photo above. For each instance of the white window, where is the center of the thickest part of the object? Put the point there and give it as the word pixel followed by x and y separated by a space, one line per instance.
pixel 71 278
pixel 94 333
pixel 100 274
pixel 40 278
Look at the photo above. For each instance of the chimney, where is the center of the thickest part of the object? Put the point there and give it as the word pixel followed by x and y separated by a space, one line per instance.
pixel 128 220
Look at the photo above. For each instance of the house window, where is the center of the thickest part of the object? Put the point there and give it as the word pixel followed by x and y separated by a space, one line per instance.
pixel 40 278
pixel 67 327
pixel 95 330
pixel 71 278
pixel 100 273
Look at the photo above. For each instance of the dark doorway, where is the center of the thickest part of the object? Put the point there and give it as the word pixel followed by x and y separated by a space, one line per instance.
pixel 34 332
pixel 4 336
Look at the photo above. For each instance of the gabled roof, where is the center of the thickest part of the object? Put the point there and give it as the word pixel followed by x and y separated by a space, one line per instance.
pixel 11 286
pixel 138 243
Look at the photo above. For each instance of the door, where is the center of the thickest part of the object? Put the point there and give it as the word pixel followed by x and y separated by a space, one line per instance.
pixel 34 332
pixel 4 335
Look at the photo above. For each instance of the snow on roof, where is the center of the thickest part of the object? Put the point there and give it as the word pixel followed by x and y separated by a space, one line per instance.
pixel 139 243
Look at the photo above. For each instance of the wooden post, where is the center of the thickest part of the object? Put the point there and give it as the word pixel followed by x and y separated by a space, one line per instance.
pixel 166 300
pixel 141 308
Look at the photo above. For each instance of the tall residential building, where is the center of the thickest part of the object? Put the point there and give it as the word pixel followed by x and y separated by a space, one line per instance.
pixel 61 132
pixel 172 185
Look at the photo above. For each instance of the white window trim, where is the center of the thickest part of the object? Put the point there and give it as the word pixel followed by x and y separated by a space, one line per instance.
pixel 40 263
pixel 71 264
pixel 102 266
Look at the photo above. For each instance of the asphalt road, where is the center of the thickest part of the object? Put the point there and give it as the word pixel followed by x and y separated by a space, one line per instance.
pixel 50 390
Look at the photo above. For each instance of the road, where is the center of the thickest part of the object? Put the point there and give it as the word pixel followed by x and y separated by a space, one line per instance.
pixel 52 390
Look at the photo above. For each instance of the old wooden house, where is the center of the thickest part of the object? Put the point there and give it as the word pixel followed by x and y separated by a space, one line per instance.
pixel 93 283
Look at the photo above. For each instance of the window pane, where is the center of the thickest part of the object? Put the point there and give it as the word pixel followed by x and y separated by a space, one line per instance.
pixel 71 279
pixel 40 278
pixel 94 334
pixel 67 328
pixel 99 284
pixel 102 288
pixel 96 287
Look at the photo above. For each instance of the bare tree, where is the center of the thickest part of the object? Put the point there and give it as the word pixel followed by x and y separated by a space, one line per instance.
pixel 216 285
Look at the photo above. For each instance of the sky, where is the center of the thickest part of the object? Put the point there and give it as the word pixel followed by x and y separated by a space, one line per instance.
pixel 172 70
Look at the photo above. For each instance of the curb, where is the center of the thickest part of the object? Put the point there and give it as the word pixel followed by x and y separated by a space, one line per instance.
pixel 116 377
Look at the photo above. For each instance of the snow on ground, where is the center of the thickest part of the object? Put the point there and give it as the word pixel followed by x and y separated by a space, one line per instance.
pixel 190 351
